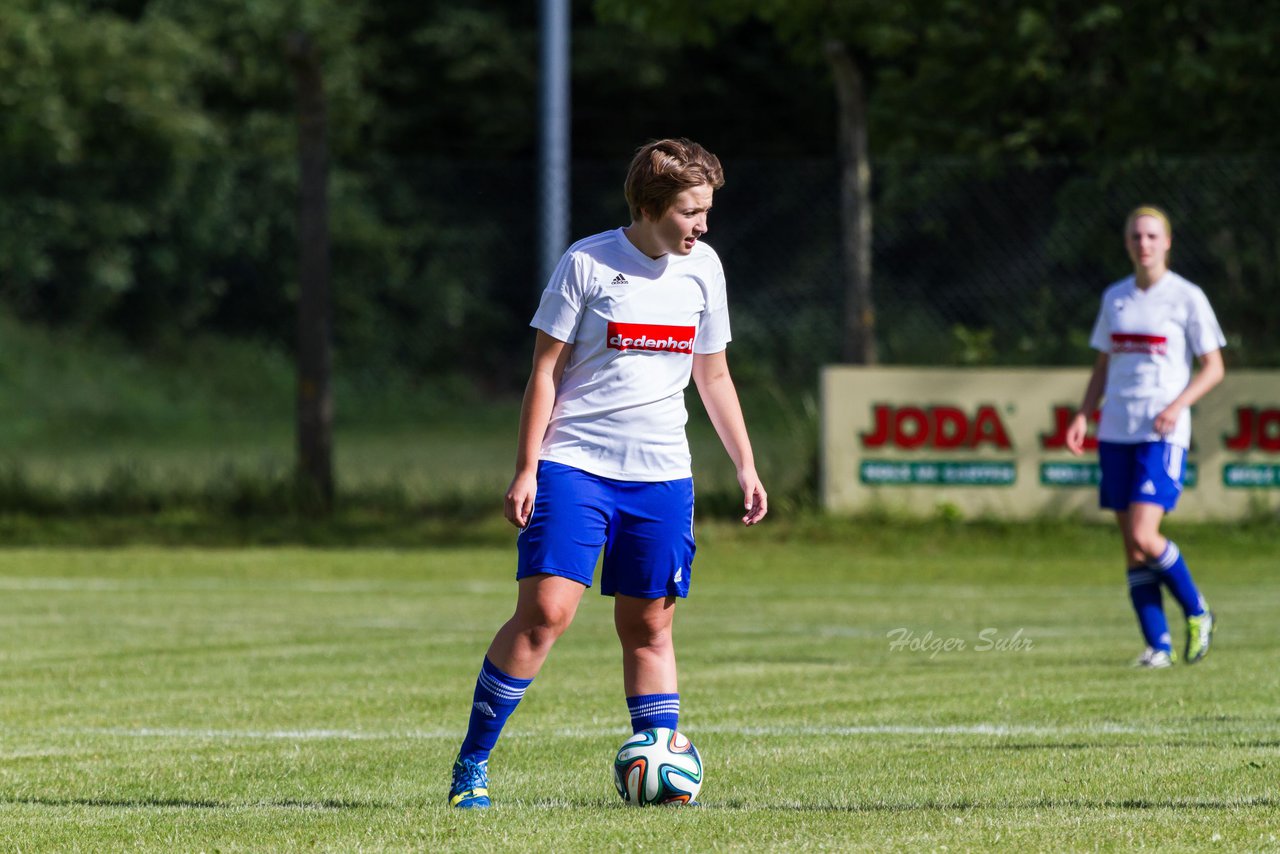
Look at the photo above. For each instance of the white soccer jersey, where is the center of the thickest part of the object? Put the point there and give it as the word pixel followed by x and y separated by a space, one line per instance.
pixel 1151 337
pixel 634 323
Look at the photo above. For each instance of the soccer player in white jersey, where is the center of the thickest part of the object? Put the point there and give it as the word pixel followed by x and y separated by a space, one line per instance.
pixel 602 461
pixel 1148 329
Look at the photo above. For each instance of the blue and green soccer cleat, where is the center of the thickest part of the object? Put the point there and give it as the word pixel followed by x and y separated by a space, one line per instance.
pixel 470 788
pixel 1199 636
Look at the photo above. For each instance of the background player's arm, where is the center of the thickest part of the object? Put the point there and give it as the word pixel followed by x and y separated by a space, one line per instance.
pixel 1079 426
pixel 720 397
pixel 549 357
pixel 1210 374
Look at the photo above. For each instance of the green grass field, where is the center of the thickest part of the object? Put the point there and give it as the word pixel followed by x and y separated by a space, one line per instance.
pixel 294 699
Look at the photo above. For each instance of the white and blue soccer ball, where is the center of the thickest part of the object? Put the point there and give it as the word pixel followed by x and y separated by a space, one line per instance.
pixel 657 766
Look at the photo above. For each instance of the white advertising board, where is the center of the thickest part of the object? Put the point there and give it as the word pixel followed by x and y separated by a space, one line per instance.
pixel 990 442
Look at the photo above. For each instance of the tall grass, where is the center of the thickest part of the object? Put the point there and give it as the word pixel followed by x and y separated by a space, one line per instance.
pixel 96 428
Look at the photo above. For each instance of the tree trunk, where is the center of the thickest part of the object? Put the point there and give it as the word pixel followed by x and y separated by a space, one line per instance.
pixel 859 345
pixel 315 394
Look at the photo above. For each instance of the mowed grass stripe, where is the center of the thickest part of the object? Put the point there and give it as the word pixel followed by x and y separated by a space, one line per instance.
pixel 979 729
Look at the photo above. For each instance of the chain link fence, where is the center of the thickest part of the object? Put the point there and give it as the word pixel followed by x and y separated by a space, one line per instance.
pixel 435 263
pixel 973 266
pixel 192 268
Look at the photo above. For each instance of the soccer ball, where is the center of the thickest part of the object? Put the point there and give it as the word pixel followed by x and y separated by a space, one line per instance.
pixel 657 766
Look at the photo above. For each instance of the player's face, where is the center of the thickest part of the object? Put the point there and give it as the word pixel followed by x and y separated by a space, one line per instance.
pixel 678 229
pixel 1148 243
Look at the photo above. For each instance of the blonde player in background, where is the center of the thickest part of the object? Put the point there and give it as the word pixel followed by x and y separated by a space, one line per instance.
pixel 602 461
pixel 1148 329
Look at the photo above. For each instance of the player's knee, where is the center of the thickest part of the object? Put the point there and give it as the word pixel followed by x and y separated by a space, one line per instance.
pixel 1147 547
pixel 542 636
pixel 644 635
pixel 545 624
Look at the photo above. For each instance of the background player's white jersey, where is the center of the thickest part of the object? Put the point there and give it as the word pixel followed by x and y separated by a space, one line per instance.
pixel 1151 337
pixel 634 323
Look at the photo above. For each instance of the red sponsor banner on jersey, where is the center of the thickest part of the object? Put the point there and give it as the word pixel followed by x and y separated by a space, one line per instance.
pixel 651 336
pixel 1124 343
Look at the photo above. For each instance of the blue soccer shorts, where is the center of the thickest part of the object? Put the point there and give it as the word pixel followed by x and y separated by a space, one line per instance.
pixel 1149 472
pixel 645 529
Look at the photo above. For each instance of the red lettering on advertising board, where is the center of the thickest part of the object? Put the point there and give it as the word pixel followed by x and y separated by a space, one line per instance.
pixel 936 427
pixel 1256 430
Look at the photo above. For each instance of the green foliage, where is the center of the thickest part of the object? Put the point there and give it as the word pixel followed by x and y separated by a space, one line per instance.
pixel 876 33
pixel 973 347
pixel 148 165
pixel 102 431
pixel 84 83
pixel 1082 79
pixel 86 88
pixel 249 89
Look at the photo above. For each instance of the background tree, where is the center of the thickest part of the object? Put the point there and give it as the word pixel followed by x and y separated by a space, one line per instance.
pixel 148 170
pixel 1095 107
pixel 315 310
pixel 84 90
pixel 854 39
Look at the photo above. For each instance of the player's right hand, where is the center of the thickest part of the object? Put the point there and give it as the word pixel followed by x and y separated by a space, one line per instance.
pixel 1076 432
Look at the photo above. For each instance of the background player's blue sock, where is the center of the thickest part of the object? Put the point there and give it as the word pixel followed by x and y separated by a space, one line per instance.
pixel 1172 570
pixel 654 710
pixel 1144 592
pixel 496 697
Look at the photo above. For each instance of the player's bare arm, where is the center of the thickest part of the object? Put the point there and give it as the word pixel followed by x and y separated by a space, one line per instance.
pixel 720 397
pixel 1079 426
pixel 549 357
pixel 1211 372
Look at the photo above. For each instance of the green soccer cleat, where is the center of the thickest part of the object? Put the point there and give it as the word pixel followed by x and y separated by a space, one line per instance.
pixel 470 788
pixel 1154 659
pixel 1199 636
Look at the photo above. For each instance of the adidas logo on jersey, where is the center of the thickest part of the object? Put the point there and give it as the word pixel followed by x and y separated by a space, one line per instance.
pixel 620 280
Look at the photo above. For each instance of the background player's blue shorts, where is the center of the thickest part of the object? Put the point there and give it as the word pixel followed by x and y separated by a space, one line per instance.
pixel 1148 472
pixel 646 530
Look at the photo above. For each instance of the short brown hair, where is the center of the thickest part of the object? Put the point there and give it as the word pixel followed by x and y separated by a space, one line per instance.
pixel 663 169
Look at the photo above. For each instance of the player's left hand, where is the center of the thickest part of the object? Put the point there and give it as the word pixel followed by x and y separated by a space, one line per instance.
pixel 754 498
pixel 1167 420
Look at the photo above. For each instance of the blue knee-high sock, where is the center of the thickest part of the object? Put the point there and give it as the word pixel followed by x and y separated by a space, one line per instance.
pixel 649 711
pixel 496 697
pixel 1172 570
pixel 1144 592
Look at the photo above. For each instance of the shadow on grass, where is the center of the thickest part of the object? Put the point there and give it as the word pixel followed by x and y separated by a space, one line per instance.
pixel 974 806
pixel 183 527
pixel 711 806
pixel 199 804
pixel 1134 744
